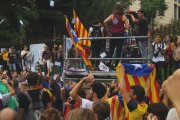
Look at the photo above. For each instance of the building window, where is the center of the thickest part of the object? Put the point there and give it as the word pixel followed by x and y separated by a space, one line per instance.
pixel 175 11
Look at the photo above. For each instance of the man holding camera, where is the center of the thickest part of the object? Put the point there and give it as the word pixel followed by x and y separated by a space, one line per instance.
pixel 158 56
pixel 142 30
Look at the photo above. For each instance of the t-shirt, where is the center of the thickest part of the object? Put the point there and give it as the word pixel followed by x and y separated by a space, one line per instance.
pixel 5 56
pixel 11 101
pixel 142 27
pixel 160 56
pixel 172 114
pixel 23 53
pixel 46 55
pixel 96 31
pixel 136 111
pixel 24 102
pixel 86 103
pixel 6 98
pixel 12 57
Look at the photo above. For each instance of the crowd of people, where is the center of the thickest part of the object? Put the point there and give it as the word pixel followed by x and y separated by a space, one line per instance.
pixel 41 98
pixel 27 95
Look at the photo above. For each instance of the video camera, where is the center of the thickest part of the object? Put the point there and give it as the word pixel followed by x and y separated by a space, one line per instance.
pixel 128 15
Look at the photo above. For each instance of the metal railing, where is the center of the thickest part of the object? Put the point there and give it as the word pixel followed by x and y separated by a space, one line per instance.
pixel 66 58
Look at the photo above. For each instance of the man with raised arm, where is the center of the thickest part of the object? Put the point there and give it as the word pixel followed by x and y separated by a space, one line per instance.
pixel 98 92
pixel 135 100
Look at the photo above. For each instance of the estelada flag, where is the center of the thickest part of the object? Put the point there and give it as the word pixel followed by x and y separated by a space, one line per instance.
pixel 137 74
pixel 83 50
pixel 81 30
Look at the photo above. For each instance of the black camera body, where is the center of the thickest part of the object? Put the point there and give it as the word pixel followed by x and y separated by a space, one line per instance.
pixel 159 48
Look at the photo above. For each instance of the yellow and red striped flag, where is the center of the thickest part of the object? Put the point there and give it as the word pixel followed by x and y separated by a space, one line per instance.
pixel 117 108
pixel 81 31
pixel 137 74
pixel 83 50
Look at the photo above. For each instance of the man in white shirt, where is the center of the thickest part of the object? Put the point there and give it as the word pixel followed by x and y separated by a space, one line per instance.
pixel 98 92
pixel 26 58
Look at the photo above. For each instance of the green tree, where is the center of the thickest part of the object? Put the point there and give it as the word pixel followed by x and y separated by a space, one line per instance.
pixel 87 10
pixel 151 7
pixel 40 19
pixel 11 13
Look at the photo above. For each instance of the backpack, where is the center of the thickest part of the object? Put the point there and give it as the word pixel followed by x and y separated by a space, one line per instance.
pixel 35 107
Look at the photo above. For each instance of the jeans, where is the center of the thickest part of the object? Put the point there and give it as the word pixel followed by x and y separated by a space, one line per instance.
pixel 142 45
pixel 159 66
pixel 12 66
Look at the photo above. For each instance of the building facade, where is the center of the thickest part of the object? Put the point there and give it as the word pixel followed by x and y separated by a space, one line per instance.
pixel 172 13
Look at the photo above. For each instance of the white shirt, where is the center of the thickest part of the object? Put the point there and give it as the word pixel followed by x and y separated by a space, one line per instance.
pixel 5 98
pixel 86 103
pixel 91 29
pixel 23 52
pixel 172 114
pixel 160 57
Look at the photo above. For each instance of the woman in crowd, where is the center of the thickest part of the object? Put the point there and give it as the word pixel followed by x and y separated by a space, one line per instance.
pixel 168 55
pixel 81 114
pixel 176 54
pixel 119 24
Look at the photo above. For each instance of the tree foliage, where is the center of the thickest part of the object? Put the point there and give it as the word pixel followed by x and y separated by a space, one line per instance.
pixel 152 8
pixel 40 19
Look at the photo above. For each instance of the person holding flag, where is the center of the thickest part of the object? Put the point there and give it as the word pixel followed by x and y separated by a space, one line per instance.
pixel 138 87
pixel 136 100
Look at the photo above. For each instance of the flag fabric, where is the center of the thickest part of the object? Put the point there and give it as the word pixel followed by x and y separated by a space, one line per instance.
pixel 81 30
pixel 83 50
pixel 137 74
pixel 117 108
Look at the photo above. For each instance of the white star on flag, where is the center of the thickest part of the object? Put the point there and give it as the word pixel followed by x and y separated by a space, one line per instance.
pixel 137 66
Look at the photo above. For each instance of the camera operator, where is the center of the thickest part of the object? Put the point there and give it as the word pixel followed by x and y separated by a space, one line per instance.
pixel 133 27
pixel 142 30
